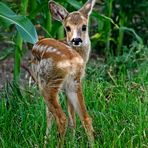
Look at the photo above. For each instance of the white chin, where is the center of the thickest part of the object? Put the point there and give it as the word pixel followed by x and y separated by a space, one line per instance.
pixel 80 44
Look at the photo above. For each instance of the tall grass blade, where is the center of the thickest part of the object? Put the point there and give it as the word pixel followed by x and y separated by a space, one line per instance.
pixel 139 39
pixel 17 57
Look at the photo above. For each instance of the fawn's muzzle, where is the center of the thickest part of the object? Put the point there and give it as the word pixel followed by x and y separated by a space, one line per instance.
pixel 76 41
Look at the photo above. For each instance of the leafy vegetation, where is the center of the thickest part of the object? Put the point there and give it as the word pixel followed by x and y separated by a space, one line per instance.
pixel 116 82
pixel 25 30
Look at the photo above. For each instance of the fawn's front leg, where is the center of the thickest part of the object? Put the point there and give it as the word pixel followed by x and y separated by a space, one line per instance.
pixel 84 116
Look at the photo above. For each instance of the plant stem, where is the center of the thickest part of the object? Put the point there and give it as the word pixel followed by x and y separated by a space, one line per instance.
pixel 121 35
pixel 24 6
pixel 48 23
pixel 108 28
pixel 18 47
pixel 33 4
pixel 17 58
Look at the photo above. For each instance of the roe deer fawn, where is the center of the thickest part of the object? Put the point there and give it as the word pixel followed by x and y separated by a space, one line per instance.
pixel 57 65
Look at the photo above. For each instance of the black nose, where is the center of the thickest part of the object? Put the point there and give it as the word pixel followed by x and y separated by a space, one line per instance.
pixel 76 41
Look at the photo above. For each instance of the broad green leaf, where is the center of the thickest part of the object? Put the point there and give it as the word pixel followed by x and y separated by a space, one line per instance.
pixel 75 4
pixel 5 9
pixel 23 24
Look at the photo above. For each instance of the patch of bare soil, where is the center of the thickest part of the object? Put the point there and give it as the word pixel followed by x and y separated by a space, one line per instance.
pixel 6 70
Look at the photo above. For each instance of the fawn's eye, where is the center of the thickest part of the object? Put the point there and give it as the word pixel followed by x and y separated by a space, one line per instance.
pixel 68 29
pixel 84 28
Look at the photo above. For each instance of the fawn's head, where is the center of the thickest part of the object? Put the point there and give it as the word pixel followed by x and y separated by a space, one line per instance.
pixel 75 23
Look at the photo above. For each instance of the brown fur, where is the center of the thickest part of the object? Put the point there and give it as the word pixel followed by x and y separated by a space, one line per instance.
pixel 67 51
pixel 75 18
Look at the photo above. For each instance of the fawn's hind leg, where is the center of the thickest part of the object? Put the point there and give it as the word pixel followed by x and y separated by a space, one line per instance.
pixel 50 94
pixel 49 118
pixel 71 116
pixel 71 113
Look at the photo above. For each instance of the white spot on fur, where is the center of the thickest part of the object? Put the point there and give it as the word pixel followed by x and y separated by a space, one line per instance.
pixel 58 52
pixel 54 50
pixel 49 49
pixel 64 64
pixel 41 48
pixel 78 60
pixel 71 65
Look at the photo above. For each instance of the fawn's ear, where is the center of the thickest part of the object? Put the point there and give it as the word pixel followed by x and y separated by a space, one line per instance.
pixel 58 12
pixel 87 8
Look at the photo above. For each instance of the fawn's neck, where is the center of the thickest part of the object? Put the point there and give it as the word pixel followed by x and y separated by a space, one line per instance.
pixel 84 52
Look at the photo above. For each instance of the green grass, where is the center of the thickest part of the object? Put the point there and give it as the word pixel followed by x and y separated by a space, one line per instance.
pixel 116 96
